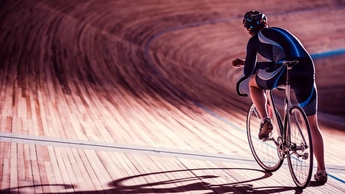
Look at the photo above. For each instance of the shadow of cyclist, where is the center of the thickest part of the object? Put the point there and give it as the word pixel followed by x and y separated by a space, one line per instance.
pixel 176 182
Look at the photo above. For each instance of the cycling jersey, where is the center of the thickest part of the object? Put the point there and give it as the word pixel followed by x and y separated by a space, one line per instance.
pixel 276 45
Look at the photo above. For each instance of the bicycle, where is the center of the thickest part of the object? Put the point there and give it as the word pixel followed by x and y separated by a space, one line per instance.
pixel 292 140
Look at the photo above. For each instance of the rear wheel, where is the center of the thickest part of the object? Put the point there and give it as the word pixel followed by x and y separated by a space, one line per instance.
pixel 300 157
pixel 264 152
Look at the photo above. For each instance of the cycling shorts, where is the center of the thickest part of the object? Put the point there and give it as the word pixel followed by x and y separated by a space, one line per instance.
pixel 303 86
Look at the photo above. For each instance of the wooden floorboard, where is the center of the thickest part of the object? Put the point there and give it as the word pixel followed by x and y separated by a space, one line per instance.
pixel 115 96
pixel 72 170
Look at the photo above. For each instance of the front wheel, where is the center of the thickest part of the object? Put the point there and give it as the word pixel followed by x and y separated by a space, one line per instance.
pixel 300 157
pixel 264 152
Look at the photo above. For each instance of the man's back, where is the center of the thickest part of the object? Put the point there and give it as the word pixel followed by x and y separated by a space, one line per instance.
pixel 276 45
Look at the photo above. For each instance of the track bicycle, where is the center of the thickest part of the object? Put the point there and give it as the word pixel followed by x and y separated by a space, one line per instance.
pixel 290 138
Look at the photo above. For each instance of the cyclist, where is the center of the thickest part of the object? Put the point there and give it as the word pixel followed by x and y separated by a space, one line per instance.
pixel 278 45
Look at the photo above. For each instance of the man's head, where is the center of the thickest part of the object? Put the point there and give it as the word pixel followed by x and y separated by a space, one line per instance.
pixel 254 21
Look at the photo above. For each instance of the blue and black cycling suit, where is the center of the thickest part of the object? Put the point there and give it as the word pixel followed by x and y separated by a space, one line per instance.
pixel 278 45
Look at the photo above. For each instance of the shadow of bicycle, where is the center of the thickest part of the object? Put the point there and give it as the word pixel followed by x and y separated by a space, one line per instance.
pixel 179 181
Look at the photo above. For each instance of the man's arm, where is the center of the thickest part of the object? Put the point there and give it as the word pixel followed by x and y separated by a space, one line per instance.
pixel 251 57
pixel 259 65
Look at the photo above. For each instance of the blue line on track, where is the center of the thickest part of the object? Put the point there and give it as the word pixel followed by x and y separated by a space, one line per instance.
pixel 166 81
pixel 336 178
pixel 328 53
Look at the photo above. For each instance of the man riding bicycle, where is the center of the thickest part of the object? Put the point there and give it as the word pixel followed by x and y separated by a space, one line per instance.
pixel 279 45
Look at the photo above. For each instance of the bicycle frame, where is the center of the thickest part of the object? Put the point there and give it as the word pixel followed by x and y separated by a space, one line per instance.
pixel 285 127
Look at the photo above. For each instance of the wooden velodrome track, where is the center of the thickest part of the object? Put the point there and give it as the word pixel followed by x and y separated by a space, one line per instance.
pixel 117 96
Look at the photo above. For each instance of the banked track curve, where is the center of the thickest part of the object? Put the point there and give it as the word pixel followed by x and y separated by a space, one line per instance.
pixel 78 71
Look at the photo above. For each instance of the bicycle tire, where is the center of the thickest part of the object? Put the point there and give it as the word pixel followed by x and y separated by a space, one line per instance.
pixel 265 152
pixel 300 157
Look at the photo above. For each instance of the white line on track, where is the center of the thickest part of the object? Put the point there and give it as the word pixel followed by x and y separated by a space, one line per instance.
pixel 113 147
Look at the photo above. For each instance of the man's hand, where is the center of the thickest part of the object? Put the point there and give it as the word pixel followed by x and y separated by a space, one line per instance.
pixel 238 62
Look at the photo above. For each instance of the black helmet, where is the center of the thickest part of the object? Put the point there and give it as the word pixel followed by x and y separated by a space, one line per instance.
pixel 253 20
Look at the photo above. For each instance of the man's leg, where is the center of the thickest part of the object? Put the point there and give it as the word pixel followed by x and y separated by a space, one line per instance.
pixel 306 93
pixel 317 141
pixel 260 101
pixel 321 174
pixel 258 97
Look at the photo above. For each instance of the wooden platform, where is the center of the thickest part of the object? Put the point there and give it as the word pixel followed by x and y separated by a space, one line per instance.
pixel 107 96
